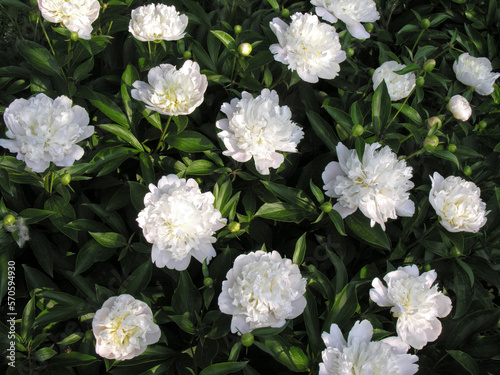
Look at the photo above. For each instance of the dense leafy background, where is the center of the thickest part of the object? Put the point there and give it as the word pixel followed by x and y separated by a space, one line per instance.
pixel 86 246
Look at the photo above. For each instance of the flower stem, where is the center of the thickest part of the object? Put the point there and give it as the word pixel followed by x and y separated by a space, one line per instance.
pixel 399 110
pixel 163 134
pixel 47 37
pixel 418 39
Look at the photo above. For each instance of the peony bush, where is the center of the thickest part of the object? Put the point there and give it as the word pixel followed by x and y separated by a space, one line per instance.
pixel 249 187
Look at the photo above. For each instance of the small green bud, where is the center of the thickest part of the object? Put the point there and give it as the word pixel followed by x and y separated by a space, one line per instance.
pixel 452 148
pixel 433 121
pixel 238 29
pixel 454 252
pixel 371 71
pixel 420 81
pixel 349 52
pixel 73 36
pixel 326 207
pixel 483 124
pixel 285 13
pixel 467 170
pixel 425 24
pixel 186 54
pixel 245 49
pixel 357 130
pixel 9 220
pixel 427 267
pixel 429 65
pixel 208 281
pixel 233 226
pixel 431 142
pixel 368 27
pixel 247 339
pixel 105 6
pixel 66 179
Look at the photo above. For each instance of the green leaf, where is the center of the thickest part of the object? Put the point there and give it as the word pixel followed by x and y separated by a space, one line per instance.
pixel 35 215
pixel 81 72
pixel 274 4
pixel 201 168
pixel 300 250
pixel 446 155
pixel 73 359
pixel 91 253
pixel 268 331
pixel 291 195
pixel 109 239
pixel 360 225
pixel 138 280
pixel 190 141
pixel 462 289
pixel 409 112
pixel 147 168
pixel 122 133
pixel 28 319
pixel 346 304
pixel 340 116
pixel 467 362
pixel 337 220
pixel 15 4
pixel 105 104
pixel 317 192
pixel 64 213
pixel 223 368
pixel 284 212
pixel 223 37
pixel 42 249
pixel 184 323
pixel 323 130
pixel 473 323
pixel 186 296
pixel 137 194
pixel 39 57
pixel 381 107
pixel 44 354
pixel 5 181
pixel 311 321
pixel 291 356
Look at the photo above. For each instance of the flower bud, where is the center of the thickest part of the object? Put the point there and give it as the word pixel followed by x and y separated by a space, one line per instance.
pixel 482 124
pixel 467 170
pixel 326 207
pixel 233 226
pixel 245 49
pixel 431 142
pixel 427 267
pixel 420 81
pixel 66 179
pixel 433 121
pixel 368 27
pixel 425 24
pixel 349 52
pixel 285 13
pixel 186 54
pixel 9 220
pixel 208 281
pixel 73 36
pixel 357 130
pixel 452 148
pixel 454 252
pixel 460 107
pixel 247 339
pixel 429 65
pixel 238 29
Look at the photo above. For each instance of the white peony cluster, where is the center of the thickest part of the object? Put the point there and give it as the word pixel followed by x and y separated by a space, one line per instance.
pixel 75 15
pixel 262 290
pixel 378 185
pixel 361 356
pixel 42 130
pixel 398 86
pixel 123 328
pixel 458 204
pixel 351 12
pixel 170 91
pixel 258 128
pixel 20 231
pixel 415 302
pixel 460 107
pixel 309 46
pixel 156 22
pixel 475 72
pixel 180 221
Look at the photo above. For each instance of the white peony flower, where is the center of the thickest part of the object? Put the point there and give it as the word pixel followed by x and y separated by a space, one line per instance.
pixel 361 356
pixel 123 328
pixel 170 91
pixel 475 72
pixel 415 302
pixel 20 231
pixel 460 107
pixel 258 128
pixel 309 46
pixel 351 12
pixel 179 220
pixel 399 86
pixel 42 130
pixel 262 290
pixel 155 22
pixel 457 203
pixel 378 185
pixel 75 15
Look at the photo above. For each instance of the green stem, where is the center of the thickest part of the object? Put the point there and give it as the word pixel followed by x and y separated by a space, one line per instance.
pixel 399 110
pixel 149 48
pixel 419 152
pixel 416 42
pixel 47 37
pixel 163 134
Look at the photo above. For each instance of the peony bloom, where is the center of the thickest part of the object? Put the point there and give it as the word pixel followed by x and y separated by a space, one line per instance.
pixel 351 12
pixel 258 128
pixel 378 185
pixel 19 231
pixel 179 220
pixel 75 15
pixel 460 107
pixel 309 46
pixel 415 302
pixel 170 91
pixel 262 290
pixel 399 86
pixel 42 130
pixel 155 22
pixel 123 328
pixel 457 203
pixel 475 72
pixel 359 355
